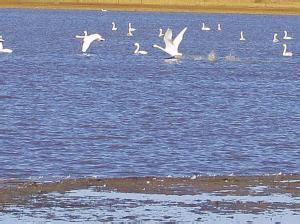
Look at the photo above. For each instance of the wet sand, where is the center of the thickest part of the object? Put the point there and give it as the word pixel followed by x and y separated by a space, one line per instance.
pixel 210 7
pixel 15 192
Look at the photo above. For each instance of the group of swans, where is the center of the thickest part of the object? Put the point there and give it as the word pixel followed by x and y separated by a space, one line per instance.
pixel 171 45
pixel 2 49
pixel 206 28
pixel 285 53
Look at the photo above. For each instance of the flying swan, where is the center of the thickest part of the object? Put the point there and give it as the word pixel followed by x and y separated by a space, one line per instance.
pixel 137 50
pixel 88 39
pixel 171 47
pixel 4 50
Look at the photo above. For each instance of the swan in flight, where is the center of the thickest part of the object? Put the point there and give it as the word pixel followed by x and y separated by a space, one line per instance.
pixel 137 50
pixel 219 27
pixel 4 50
pixel 286 37
pixel 275 39
pixel 171 47
pixel 160 33
pixel 114 28
pixel 242 38
pixel 88 39
pixel 204 28
pixel 130 30
pixel 285 52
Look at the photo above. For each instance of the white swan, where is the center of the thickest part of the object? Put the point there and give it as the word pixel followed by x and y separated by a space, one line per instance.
pixel 171 47
pixel 88 39
pixel 130 30
pixel 286 53
pixel 242 38
pixel 160 33
pixel 114 28
pixel 4 50
pixel 275 39
pixel 219 27
pixel 286 37
pixel 137 50
pixel 204 28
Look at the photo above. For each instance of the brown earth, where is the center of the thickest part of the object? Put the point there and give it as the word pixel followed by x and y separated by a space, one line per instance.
pixel 286 8
pixel 19 192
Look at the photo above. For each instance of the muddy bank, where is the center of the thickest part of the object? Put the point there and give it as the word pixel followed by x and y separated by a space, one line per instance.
pixel 18 192
pixel 249 7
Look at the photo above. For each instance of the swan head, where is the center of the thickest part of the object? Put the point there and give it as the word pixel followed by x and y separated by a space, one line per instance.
pixel 136 44
pixel 155 46
pixel 85 33
pixel 1 39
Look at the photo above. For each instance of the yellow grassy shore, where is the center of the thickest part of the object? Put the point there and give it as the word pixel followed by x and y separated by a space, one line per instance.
pixel 285 7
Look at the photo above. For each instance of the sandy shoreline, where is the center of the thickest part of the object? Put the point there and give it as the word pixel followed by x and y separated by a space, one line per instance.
pixel 250 8
pixel 15 191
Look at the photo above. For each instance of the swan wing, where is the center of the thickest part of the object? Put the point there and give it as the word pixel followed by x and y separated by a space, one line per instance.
pixel 86 44
pixel 168 35
pixel 168 39
pixel 179 38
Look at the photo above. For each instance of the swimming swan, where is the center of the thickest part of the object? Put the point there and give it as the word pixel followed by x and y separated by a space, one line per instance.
pixel 137 50
pixel 275 39
pixel 286 37
pixel 171 47
pixel 4 50
pixel 130 30
pixel 286 53
pixel 114 28
pixel 160 33
pixel 204 28
pixel 88 39
pixel 242 38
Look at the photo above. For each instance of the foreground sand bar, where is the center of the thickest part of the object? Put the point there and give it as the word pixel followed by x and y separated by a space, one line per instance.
pixel 286 7
pixel 15 191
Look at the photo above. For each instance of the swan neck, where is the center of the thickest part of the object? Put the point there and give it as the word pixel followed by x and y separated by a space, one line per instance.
pixel 137 48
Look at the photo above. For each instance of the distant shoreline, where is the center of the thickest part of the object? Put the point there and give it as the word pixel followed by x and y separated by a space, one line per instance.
pixel 237 8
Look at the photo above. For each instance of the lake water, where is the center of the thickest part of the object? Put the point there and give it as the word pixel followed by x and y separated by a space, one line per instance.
pixel 111 113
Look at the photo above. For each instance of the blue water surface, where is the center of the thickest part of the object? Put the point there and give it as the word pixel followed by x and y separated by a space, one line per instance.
pixel 112 113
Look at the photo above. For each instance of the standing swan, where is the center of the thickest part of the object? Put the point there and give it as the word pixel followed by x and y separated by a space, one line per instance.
pixel 286 37
pixel 114 28
pixel 171 47
pixel 219 27
pixel 137 50
pixel 242 38
pixel 285 53
pixel 160 33
pixel 275 39
pixel 130 30
pixel 88 39
pixel 204 28
pixel 4 50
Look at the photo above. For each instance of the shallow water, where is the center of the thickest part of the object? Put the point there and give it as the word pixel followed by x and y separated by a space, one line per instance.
pixel 88 205
pixel 111 113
